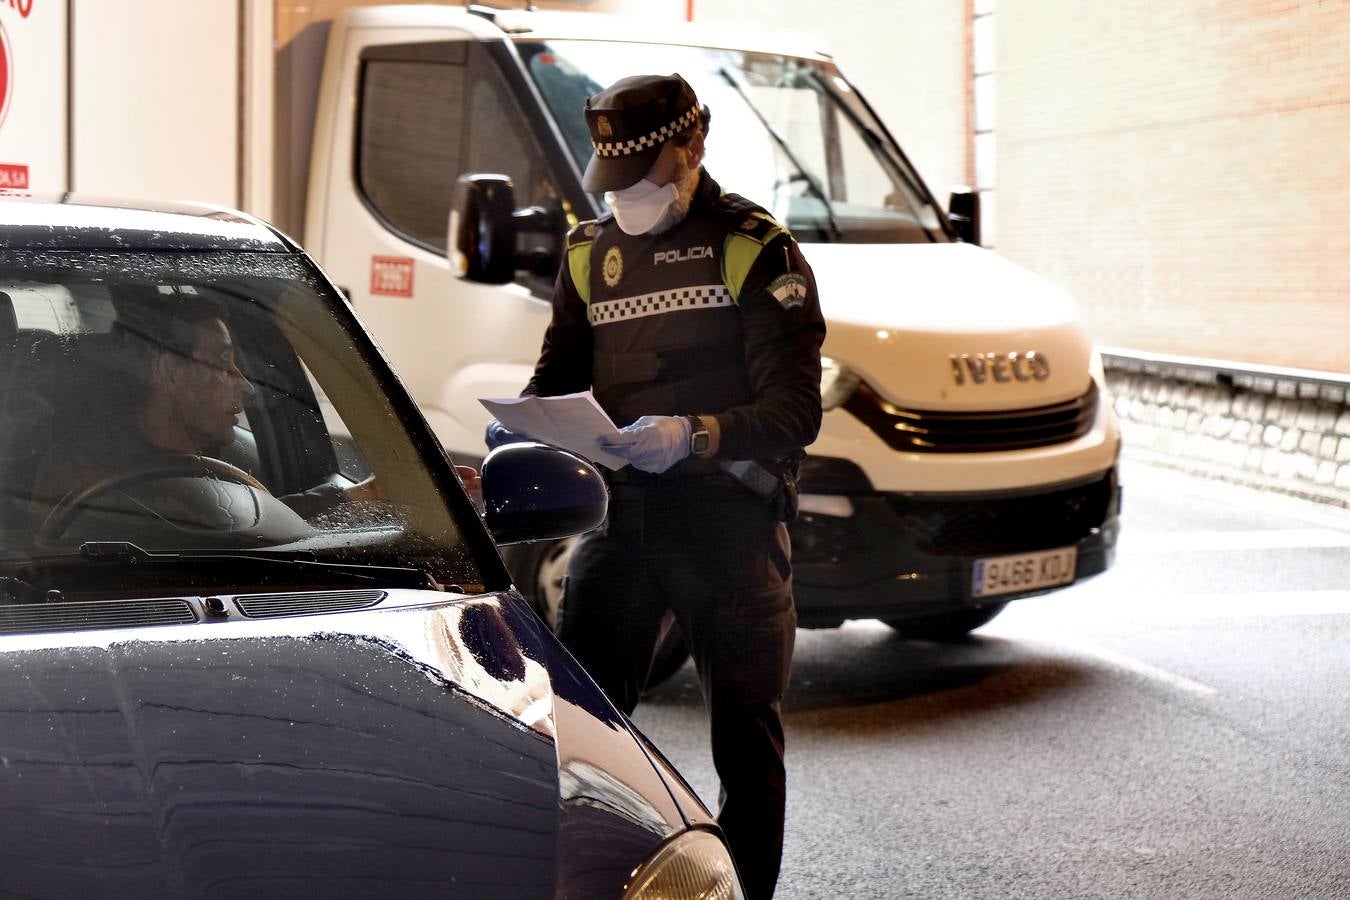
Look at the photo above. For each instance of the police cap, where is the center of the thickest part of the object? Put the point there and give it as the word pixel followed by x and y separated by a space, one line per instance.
pixel 629 122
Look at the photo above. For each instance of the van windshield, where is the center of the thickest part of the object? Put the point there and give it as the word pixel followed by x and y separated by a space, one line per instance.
pixel 169 403
pixel 788 133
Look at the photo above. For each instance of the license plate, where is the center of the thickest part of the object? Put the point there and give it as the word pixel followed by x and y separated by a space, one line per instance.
pixel 1022 572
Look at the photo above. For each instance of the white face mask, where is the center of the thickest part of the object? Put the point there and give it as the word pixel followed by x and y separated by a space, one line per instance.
pixel 642 207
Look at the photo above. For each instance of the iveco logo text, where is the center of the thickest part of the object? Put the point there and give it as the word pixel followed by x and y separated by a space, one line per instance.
pixel 688 253
pixel 977 368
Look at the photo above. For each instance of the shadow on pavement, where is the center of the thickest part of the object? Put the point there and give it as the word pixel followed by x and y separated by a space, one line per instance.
pixel 835 672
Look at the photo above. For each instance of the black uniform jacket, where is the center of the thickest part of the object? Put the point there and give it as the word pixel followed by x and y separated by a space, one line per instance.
pixel 764 307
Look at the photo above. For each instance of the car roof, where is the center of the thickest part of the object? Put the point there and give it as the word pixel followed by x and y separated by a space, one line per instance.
pixel 71 222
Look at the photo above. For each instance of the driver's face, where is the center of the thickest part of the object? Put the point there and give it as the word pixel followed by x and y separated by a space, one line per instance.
pixel 211 390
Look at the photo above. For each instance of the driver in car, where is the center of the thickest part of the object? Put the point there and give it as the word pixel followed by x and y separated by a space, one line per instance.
pixel 180 403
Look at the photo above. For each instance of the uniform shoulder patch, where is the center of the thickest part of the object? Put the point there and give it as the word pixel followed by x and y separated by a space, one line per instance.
pixel 583 233
pixel 760 226
pixel 790 290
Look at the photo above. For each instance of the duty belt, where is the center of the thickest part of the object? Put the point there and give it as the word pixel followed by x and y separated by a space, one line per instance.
pixel 750 474
pixel 649 365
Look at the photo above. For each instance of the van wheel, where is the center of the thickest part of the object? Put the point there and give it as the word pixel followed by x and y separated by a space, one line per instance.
pixel 949 626
pixel 669 656
pixel 537 570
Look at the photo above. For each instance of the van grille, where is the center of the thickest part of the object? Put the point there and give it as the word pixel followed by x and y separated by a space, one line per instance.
pixel 266 606
pixel 929 431
pixel 1013 524
pixel 95 614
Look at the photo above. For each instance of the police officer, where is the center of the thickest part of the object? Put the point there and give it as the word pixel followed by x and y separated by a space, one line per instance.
pixel 693 317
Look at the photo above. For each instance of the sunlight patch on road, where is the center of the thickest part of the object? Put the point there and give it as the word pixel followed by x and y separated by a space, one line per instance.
pixel 1269 539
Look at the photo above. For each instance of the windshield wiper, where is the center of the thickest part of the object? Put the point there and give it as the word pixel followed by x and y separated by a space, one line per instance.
pixel 787 151
pixel 16 590
pixel 874 141
pixel 294 562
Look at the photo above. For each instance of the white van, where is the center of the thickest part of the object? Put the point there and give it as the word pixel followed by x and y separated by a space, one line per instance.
pixel 968 453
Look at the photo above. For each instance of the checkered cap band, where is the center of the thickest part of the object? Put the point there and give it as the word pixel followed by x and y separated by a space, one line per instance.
pixel 699 296
pixel 647 141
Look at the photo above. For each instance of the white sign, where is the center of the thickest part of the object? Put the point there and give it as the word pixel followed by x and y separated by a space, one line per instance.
pixel 33 94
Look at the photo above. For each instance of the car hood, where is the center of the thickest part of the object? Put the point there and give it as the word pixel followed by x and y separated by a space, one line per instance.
pixel 935 326
pixel 419 746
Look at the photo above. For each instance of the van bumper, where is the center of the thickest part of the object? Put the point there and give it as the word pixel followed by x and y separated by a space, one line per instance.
pixel 899 555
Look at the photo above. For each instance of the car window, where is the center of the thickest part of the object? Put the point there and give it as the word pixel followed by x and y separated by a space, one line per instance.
pixel 207 401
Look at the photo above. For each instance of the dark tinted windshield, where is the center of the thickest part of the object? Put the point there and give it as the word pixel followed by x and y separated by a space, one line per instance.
pixel 204 401
pixel 788 133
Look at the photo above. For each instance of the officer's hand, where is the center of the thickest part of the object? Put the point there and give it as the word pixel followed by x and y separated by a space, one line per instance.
pixel 498 434
pixel 652 443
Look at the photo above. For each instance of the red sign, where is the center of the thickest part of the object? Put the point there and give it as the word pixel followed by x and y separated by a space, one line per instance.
pixel 391 276
pixel 6 72
pixel 12 176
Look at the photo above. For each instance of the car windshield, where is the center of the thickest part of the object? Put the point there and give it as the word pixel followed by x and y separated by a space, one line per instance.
pixel 209 404
pixel 789 133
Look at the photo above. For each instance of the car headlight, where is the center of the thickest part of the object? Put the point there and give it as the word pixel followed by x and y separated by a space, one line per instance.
pixel 837 382
pixel 695 864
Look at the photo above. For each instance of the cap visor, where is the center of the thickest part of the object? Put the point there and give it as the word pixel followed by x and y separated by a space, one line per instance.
pixel 614 173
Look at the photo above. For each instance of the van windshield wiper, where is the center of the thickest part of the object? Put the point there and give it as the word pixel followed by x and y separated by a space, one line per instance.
pixel 303 562
pixel 782 143
pixel 880 149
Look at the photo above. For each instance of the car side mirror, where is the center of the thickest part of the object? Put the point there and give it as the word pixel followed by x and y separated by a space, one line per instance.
pixel 536 493
pixel 485 227
pixel 963 210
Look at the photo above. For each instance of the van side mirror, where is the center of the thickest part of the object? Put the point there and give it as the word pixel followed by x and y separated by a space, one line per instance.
pixel 482 233
pixel 532 492
pixel 963 211
pixel 484 230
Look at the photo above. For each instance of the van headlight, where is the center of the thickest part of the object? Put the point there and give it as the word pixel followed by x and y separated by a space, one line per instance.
pixel 695 864
pixel 837 383
pixel 1097 369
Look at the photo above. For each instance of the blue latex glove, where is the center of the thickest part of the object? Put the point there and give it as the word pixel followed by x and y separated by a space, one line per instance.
pixel 498 434
pixel 652 443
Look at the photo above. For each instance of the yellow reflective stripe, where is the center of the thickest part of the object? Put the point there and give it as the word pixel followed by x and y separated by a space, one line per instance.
pixel 579 264
pixel 739 253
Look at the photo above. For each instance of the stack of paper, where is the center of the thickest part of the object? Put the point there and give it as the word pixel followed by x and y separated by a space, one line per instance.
pixel 573 421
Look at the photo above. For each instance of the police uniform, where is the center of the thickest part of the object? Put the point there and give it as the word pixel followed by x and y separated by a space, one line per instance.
pixel 715 318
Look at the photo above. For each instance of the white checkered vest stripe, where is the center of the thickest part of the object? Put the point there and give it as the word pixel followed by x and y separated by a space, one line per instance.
pixel 699 296
pixel 647 141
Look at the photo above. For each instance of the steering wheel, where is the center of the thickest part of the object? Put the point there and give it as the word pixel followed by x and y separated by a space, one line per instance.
pixel 179 466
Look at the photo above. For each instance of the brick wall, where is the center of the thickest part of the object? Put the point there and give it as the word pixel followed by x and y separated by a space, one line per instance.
pixel 1183 167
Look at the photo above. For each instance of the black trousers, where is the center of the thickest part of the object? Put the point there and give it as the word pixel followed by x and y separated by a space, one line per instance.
pixel 716 556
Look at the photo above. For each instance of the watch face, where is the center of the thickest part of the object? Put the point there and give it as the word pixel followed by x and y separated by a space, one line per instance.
pixel 699 443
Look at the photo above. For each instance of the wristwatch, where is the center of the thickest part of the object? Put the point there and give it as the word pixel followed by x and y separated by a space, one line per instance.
pixel 698 436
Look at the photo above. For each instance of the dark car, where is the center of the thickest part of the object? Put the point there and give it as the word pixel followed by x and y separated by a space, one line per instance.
pixel 256 639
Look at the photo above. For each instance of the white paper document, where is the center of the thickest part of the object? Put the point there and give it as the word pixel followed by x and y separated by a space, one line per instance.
pixel 573 421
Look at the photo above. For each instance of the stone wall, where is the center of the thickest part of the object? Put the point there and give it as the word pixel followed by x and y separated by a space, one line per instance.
pixel 1276 431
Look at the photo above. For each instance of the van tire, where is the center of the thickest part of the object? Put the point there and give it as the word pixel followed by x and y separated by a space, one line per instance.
pixel 538 569
pixel 669 656
pixel 948 626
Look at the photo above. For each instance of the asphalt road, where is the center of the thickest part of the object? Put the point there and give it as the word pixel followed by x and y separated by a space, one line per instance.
pixel 1177 727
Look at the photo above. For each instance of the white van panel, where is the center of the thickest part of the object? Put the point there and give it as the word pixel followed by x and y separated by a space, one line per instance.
pixel 450 341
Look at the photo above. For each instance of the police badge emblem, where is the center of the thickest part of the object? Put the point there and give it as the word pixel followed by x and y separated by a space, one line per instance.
pixel 613 267
pixel 603 127
pixel 789 290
